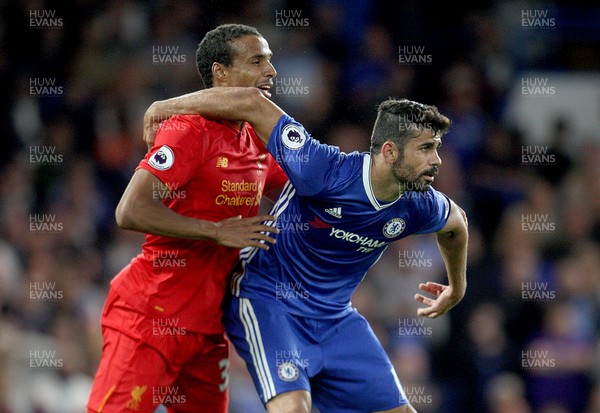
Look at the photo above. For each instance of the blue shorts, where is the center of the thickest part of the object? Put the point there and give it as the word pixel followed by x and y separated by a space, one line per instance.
pixel 339 361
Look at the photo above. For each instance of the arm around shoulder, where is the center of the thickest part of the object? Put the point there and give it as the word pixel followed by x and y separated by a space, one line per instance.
pixel 231 103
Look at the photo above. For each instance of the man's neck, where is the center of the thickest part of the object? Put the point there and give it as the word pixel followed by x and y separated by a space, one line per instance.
pixel 384 183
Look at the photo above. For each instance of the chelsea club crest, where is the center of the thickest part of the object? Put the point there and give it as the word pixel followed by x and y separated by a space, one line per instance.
pixel 394 227
pixel 288 371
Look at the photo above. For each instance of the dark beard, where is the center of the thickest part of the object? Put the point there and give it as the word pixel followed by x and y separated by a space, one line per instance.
pixel 408 178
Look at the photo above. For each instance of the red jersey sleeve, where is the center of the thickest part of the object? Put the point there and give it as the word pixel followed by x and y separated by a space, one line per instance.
pixel 180 146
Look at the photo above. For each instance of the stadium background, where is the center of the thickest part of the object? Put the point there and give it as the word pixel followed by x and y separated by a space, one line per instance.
pixel 519 79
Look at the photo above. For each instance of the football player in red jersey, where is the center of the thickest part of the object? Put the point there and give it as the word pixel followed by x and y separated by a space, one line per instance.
pixel 195 195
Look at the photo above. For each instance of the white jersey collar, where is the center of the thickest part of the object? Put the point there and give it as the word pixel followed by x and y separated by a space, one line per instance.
pixel 366 176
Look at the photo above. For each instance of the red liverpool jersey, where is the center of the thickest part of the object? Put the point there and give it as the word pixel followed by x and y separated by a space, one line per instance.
pixel 209 170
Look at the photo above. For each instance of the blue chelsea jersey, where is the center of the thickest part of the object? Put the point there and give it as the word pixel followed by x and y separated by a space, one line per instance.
pixel 332 227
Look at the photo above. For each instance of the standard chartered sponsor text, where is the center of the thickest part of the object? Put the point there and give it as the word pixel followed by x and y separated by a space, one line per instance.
pixel 241 186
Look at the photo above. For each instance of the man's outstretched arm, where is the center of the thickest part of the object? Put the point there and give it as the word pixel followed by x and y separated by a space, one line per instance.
pixel 452 242
pixel 140 210
pixel 231 103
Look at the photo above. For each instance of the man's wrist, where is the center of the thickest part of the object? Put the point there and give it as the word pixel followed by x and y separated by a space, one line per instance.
pixel 457 291
pixel 206 230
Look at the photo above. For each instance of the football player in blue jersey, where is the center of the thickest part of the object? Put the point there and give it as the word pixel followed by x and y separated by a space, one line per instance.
pixel 290 316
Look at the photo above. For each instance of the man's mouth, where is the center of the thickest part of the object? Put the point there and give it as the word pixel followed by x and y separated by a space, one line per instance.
pixel 265 89
pixel 430 175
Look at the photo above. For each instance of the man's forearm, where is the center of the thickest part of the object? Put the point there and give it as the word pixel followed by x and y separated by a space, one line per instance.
pixel 453 247
pixel 138 210
pixel 155 218
pixel 231 103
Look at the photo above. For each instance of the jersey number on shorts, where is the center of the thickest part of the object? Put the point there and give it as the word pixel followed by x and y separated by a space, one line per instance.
pixel 224 366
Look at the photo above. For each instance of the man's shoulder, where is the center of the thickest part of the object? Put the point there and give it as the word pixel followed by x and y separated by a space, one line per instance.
pixel 195 120
pixel 183 125
pixel 346 173
pixel 353 161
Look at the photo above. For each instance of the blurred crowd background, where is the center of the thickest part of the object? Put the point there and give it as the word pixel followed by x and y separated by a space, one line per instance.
pixel 524 339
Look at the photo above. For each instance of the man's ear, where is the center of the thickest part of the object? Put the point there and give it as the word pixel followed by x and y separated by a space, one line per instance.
pixel 390 152
pixel 219 73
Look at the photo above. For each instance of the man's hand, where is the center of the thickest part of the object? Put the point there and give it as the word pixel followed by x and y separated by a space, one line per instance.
pixel 239 233
pixel 445 299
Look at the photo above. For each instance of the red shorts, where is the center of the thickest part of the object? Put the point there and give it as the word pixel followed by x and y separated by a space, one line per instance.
pixel 147 362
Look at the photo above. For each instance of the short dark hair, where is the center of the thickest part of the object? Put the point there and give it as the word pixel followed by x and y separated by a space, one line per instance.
pixel 401 120
pixel 216 47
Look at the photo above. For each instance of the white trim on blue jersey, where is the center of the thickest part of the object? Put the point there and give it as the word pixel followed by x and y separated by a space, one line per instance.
pixel 448 207
pixel 248 253
pixel 366 177
pixel 397 380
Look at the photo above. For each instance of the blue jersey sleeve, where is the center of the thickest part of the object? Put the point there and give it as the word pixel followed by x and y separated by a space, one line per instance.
pixel 310 165
pixel 436 208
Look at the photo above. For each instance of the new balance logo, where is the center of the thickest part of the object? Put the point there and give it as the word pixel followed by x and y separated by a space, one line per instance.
pixel 336 212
